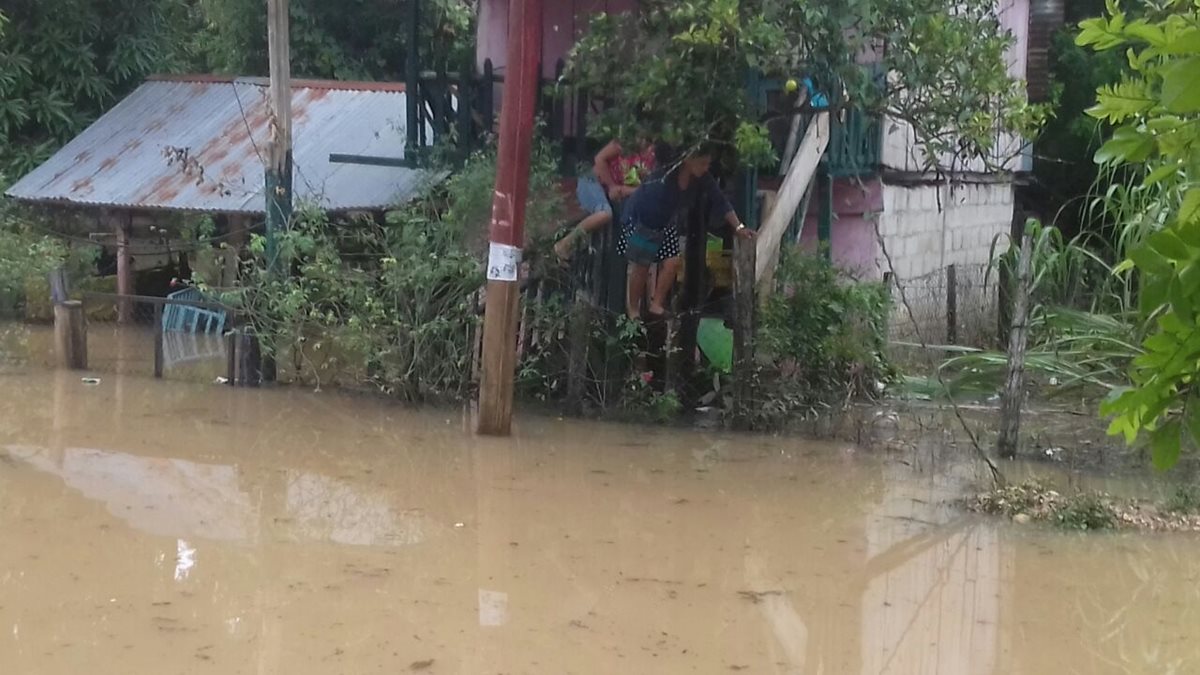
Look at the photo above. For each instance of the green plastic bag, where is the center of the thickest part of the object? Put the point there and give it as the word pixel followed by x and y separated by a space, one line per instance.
pixel 716 342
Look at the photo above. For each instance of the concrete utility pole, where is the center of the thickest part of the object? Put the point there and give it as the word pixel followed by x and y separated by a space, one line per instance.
pixel 507 229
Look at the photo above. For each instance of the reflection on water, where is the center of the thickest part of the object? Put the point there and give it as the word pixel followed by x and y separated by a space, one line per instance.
pixel 221 530
pixel 115 349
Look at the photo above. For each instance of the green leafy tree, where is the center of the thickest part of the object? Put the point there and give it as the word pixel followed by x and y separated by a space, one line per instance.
pixel 354 39
pixel 1156 111
pixel 681 73
pixel 63 62
pixel 1064 149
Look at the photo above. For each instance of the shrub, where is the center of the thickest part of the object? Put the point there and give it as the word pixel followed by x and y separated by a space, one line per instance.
pixel 27 256
pixel 824 335
pixel 386 304
pixel 390 303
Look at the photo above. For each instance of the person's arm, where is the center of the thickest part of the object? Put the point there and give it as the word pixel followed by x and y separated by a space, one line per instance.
pixel 722 207
pixel 600 166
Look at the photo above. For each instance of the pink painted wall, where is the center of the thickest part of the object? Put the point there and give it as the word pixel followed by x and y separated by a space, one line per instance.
pixel 853 245
pixel 563 22
pixel 1014 17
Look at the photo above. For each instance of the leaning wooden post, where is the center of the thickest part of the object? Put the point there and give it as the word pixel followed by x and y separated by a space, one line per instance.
pixel 70 335
pixel 1013 397
pixel 744 258
pixel 507 229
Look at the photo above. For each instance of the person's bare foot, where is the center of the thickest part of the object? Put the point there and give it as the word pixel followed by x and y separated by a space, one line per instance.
pixel 565 248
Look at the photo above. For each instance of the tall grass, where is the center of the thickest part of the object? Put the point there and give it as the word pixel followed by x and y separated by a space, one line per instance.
pixel 1083 326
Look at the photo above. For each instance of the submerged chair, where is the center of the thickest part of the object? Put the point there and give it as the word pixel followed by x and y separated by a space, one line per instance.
pixel 188 319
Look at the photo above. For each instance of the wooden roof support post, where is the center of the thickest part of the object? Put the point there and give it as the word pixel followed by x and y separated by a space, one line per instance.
pixel 507 228
pixel 122 223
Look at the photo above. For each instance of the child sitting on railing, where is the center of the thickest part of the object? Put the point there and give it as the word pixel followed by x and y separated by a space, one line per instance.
pixel 616 176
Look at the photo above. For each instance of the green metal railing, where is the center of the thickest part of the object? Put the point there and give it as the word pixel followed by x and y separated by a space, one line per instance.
pixel 855 144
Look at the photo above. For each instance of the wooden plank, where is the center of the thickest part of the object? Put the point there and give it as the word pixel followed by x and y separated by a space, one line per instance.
pixel 804 167
pixel 744 284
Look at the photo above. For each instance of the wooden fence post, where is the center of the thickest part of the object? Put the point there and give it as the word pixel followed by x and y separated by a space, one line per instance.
pixel 743 332
pixel 70 335
pixel 951 304
pixel 690 306
pixel 1013 397
pixel 158 340
pixel 579 339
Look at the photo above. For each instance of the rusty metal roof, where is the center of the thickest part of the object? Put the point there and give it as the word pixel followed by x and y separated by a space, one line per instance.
pixel 195 143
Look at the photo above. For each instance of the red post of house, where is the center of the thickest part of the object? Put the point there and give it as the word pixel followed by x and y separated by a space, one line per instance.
pixel 507 228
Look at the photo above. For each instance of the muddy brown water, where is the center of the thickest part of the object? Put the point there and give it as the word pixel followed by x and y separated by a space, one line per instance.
pixel 167 527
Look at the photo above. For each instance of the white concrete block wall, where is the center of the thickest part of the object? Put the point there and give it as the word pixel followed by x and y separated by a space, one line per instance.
pixel 901 152
pixel 928 227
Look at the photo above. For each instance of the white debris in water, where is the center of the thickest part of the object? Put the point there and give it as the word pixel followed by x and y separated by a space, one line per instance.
pixel 185 559
pixel 90 380
pixel 221 380
pixel 16 632
pixel 493 608
pixel 1053 381
pixel 460 525
pixel 233 624
pixel 1054 453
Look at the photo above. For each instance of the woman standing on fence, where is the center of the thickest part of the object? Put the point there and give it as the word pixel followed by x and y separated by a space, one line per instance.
pixel 616 176
pixel 649 234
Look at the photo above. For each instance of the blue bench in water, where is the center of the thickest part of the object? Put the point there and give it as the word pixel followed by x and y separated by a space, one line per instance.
pixel 188 319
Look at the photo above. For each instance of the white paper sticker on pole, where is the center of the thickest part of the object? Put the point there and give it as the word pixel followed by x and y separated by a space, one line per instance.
pixel 503 262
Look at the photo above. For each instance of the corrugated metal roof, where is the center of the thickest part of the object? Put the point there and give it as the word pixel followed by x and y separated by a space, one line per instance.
pixel 131 157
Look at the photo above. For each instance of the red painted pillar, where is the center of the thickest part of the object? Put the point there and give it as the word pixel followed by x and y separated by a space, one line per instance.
pixel 507 228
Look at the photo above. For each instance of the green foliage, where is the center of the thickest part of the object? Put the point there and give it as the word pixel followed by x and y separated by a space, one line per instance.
pixel 1083 333
pixel 682 71
pixel 1160 138
pixel 1071 136
pixel 63 62
pixel 1184 499
pixel 387 305
pixel 824 334
pixel 1087 511
pixel 358 39
pixel 27 256
pixel 469 191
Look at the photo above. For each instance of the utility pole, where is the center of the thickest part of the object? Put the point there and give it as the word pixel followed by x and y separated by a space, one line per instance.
pixel 507 228
pixel 278 180
pixel 279 148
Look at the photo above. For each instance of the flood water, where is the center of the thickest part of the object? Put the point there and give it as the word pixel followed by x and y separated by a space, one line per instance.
pixel 166 527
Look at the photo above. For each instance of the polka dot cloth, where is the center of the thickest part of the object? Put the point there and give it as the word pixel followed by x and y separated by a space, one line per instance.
pixel 670 244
